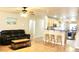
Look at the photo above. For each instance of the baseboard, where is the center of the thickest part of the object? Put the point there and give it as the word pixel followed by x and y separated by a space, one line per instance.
pixel 39 36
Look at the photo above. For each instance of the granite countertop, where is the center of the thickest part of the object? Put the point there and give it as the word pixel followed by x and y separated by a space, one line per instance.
pixel 57 29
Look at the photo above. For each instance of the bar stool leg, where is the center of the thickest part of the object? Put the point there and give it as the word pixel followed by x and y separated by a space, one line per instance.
pixel 46 38
pixel 53 39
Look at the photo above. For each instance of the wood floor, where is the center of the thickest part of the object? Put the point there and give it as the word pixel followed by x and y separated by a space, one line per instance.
pixel 38 46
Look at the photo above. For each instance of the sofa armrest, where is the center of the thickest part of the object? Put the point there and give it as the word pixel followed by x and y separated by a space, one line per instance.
pixel 27 35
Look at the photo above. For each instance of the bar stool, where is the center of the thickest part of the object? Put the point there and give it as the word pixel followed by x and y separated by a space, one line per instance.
pixel 47 37
pixel 59 39
pixel 53 39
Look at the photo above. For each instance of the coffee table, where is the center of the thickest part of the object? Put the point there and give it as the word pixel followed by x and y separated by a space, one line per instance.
pixel 20 43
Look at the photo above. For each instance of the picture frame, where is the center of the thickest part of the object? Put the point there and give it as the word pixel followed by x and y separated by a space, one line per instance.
pixel 11 20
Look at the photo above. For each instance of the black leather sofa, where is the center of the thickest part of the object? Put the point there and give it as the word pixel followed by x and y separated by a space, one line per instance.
pixel 7 35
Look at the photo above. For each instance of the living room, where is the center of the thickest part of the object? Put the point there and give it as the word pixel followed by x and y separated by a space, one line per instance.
pixel 36 24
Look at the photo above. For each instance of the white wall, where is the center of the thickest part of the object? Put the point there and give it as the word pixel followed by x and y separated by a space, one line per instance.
pixel 39 26
pixel 21 23
pixel 77 36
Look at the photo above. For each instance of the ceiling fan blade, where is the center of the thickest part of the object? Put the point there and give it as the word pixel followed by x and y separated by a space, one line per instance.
pixel 25 8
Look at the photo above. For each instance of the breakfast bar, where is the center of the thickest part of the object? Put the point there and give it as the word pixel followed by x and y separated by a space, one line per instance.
pixel 55 36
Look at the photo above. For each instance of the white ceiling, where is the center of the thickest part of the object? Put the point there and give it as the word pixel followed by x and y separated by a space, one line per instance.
pixel 43 10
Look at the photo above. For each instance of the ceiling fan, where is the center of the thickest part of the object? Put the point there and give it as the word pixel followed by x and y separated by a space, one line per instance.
pixel 24 12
